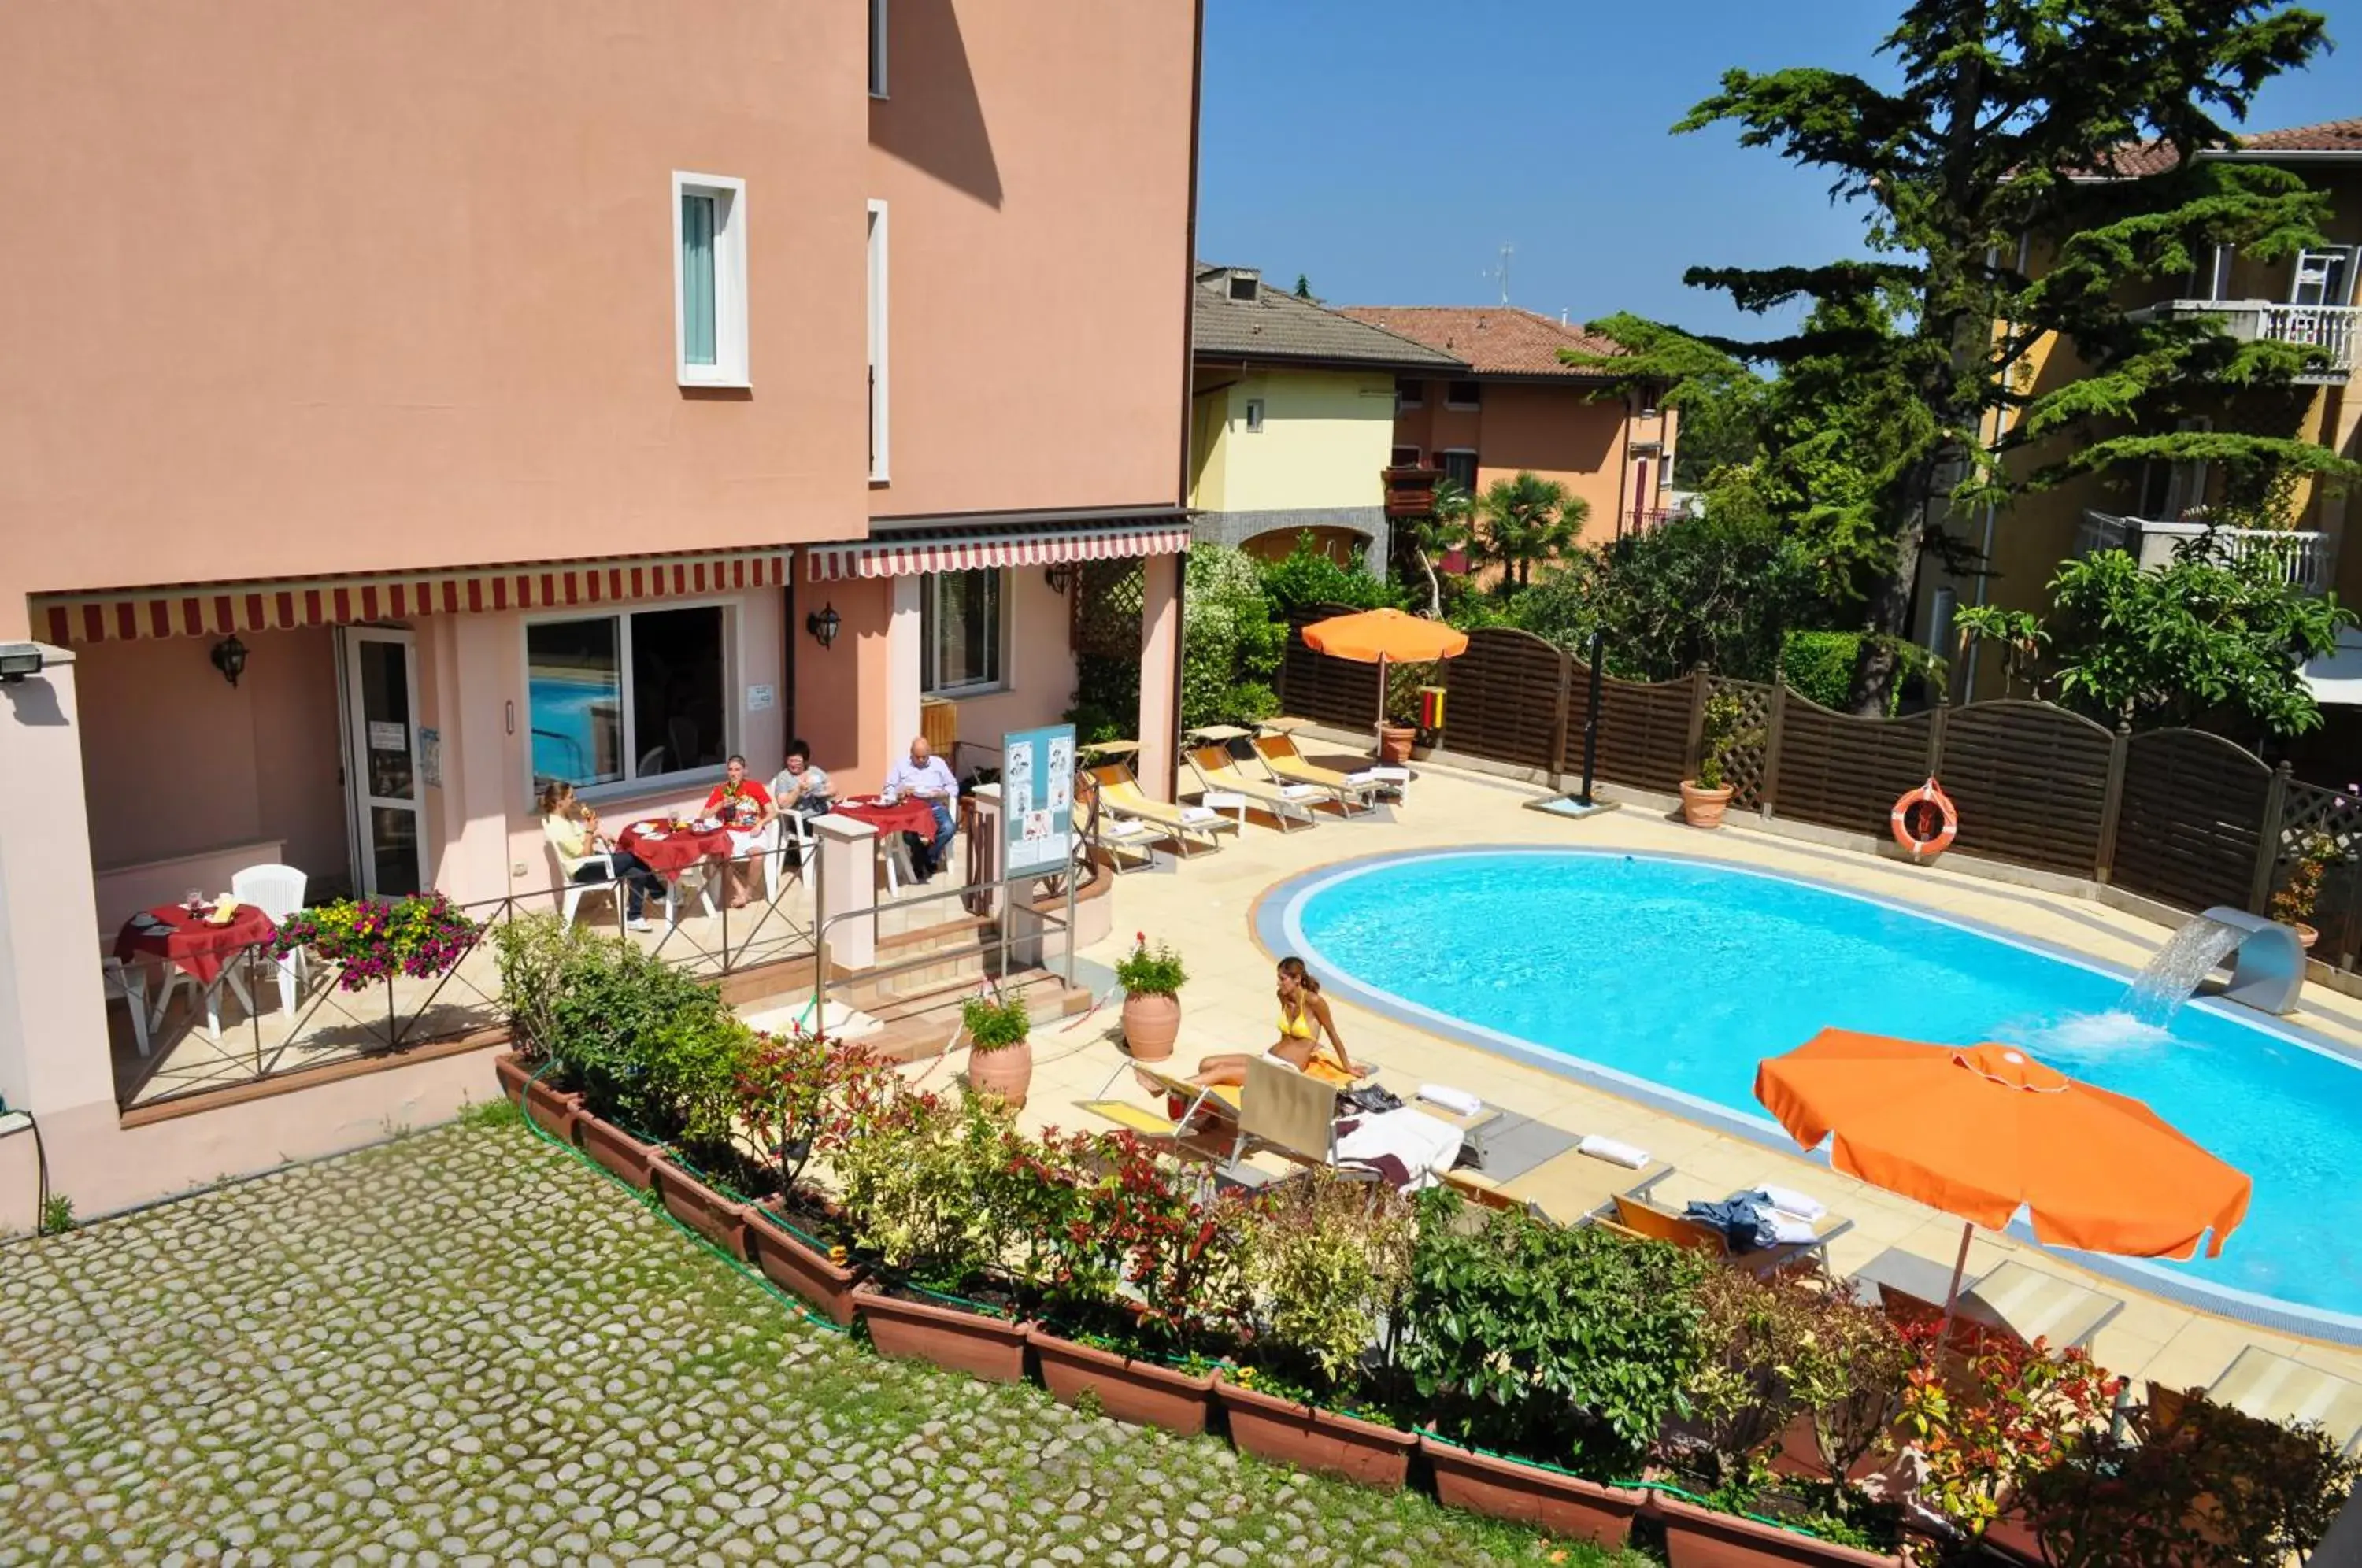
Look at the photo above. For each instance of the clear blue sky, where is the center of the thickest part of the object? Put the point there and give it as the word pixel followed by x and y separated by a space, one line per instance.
pixel 1388 148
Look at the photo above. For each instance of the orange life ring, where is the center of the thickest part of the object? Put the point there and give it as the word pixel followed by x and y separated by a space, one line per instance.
pixel 1925 820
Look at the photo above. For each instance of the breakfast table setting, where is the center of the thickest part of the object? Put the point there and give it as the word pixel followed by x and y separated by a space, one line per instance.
pixel 201 938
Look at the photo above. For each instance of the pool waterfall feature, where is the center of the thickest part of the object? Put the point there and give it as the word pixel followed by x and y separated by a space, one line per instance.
pixel 1665 978
pixel 2267 965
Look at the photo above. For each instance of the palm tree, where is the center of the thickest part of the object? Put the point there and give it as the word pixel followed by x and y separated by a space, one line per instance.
pixel 1526 519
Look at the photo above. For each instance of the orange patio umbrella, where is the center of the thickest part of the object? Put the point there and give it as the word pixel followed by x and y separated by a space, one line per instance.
pixel 1385 636
pixel 1981 1131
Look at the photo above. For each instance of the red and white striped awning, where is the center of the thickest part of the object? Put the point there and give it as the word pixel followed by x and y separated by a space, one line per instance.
pixel 217 609
pixel 965 551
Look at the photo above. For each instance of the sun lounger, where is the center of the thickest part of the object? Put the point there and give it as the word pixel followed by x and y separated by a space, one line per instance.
pixel 1288 805
pixel 2013 1298
pixel 2272 1387
pixel 1655 1214
pixel 1567 1188
pixel 1188 828
pixel 1351 791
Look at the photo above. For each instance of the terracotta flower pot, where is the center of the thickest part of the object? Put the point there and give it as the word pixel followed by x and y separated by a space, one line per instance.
pixel 2306 936
pixel 1394 744
pixel 1149 1026
pixel 1701 806
pixel 719 1218
pixel 804 1271
pixel 1288 1434
pixel 1140 1392
pixel 622 1154
pixel 1701 1538
pixel 1007 1072
pixel 1563 1506
pixel 949 1337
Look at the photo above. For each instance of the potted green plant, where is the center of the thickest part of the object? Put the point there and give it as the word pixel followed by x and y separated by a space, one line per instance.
pixel 1152 979
pixel 805 1096
pixel 1707 796
pixel 1398 726
pixel 999 1054
pixel 2293 904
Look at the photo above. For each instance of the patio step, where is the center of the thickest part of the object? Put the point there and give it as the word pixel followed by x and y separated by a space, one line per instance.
pixel 914 1027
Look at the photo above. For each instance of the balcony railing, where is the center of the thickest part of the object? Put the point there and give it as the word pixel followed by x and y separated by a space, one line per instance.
pixel 2304 556
pixel 1410 491
pixel 2330 329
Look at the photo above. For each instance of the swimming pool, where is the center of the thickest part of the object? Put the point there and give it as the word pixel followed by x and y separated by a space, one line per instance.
pixel 1670 977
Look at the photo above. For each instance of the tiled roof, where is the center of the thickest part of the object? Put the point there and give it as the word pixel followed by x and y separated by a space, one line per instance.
pixel 1276 325
pixel 2135 159
pixel 1498 339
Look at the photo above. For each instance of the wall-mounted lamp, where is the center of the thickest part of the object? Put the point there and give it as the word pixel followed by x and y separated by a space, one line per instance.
pixel 230 658
pixel 19 660
pixel 1058 576
pixel 822 624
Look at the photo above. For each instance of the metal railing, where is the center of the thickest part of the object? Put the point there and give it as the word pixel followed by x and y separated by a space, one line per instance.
pixel 2305 556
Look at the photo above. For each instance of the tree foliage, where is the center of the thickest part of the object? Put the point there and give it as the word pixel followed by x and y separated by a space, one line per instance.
pixel 1521 521
pixel 1231 639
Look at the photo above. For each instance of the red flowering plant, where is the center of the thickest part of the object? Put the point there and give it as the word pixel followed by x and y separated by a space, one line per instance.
pixel 1146 1262
pixel 802 1095
pixel 1987 1412
pixel 375 939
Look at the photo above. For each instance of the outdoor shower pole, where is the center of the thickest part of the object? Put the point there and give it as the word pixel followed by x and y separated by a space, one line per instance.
pixel 1591 719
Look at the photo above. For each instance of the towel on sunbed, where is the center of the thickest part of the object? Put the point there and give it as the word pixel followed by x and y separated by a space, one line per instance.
pixel 1418 1143
pixel 1788 1228
pixel 1790 1201
pixel 1457 1100
pixel 1614 1152
pixel 1743 1221
pixel 1300 791
pixel 1199 814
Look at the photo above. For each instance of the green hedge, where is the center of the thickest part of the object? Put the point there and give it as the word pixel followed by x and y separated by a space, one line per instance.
pixel 1819 665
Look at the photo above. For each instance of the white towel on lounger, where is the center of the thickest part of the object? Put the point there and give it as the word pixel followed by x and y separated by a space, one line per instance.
pixel 1457 1100
pixel 1788 1228
pixel 1199 814
pixel 1790 1201
pixel 1609 1149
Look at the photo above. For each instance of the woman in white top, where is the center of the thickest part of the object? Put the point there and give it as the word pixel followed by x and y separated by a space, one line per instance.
pixel 573 828
pixel 801 786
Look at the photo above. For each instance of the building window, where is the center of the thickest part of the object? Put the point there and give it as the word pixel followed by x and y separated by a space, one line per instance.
pixel 960 632
pixel 2323 276
pixel 1459 466
pixel 878 340
pixel 1404 457
pixel 2211 277
pixel 1254 416
pixel 613 698
pixel 1409 392
pixel 710 279
pixel 877 49
pixel 2171 490
pixel 1462 394
pixel 1245 286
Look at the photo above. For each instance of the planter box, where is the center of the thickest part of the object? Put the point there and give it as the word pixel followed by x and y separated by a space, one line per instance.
pixel 553 1110
pixel 990 1347
pixel 1288 1434
pixel 1701 1538
pixel 1137 1391
pixel 622 1154
pixel 720 1220
pixel 805 1271
pixel 1565 1505
pixel 511 1069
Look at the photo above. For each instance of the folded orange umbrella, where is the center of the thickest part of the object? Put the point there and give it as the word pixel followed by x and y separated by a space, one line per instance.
pixel 1370 636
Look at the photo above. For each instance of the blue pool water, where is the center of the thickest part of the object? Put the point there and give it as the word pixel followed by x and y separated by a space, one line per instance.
pixel 565 743
pixel 1681 974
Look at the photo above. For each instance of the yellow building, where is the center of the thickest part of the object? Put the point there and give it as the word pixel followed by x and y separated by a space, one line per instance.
pixel 1293 418
pixel 2151 508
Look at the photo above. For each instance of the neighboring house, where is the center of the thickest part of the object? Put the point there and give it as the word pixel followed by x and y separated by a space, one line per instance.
pixel 1519 407
pixel 1293 418
pixel 2153 507
pixel 521 397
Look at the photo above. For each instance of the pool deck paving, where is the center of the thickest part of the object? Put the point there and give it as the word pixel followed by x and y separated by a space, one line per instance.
pixel 1206 906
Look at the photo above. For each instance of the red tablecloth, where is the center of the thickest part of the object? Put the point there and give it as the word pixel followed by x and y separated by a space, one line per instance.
pixel 199 947
pixel 675 852
pixel 903 816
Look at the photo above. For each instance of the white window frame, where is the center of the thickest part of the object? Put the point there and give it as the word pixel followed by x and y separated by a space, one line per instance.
pixel 879 303
pixel 1465 407
pixel 1417 398
pixel 931 681
pixel 878 33
pixel 1255 414
pixel 632 785
pixel 729 368
pixel 2327 256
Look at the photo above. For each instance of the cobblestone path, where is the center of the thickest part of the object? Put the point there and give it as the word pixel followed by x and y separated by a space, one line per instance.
pixel 466 1347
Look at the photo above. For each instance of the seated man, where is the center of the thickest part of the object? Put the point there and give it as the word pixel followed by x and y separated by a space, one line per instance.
pixel 744 808
pixel 924 778
pixel 799 786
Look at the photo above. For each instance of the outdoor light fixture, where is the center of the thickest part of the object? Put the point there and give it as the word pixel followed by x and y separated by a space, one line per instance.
pixel 230 658
pixel 822 624
pixel 1058 576
pixel 19 660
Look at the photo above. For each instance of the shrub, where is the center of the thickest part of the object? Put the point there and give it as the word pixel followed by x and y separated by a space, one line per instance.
pixel 1327 1257
pixel 917 1188
pixel 1175 1251
pixel 1819 666
pixel 375 939
pixel 1994 1419
pixel 534 955
pixel 994 1025
pixel 1739 1396
pixel 802 1095
pixel 1150 972
pixel 650 1047
pixel 1572 1346
pixel 1106 699
pixel 1231 641
pixel 1307 576
pixel 1719 737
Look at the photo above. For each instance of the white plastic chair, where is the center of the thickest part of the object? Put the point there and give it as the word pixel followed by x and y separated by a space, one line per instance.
pixel 277 891
pixel 574 892
pixel 129 984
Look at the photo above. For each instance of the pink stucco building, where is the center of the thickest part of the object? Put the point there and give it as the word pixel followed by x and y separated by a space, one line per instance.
pixel 519 389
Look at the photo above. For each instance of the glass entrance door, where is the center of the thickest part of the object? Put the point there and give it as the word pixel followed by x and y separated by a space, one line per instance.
pixel 382 761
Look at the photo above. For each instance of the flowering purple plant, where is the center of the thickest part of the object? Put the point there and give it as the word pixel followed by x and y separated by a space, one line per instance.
pixel 372 939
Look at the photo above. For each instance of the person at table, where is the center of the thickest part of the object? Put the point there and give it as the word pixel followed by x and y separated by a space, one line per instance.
pixel 744 808
pixel 573 828
pixel 924 778
pixel 799 786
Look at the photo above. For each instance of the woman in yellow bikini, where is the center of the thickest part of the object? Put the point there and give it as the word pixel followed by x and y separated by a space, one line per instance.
pixel 1304 1018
